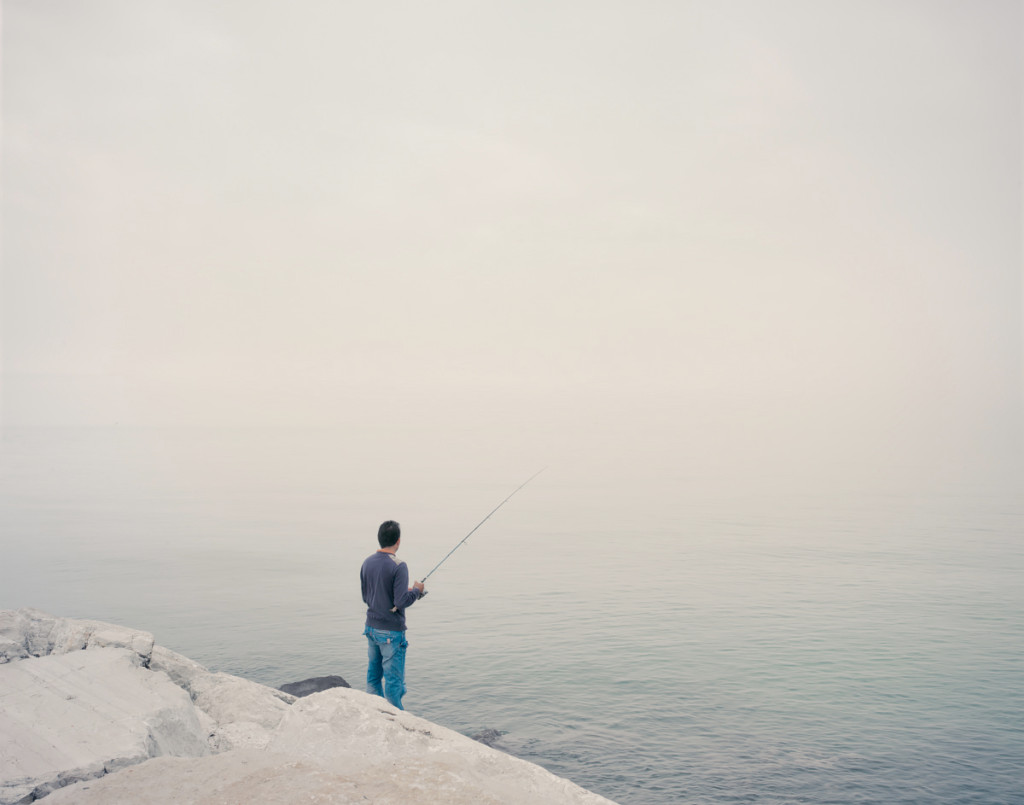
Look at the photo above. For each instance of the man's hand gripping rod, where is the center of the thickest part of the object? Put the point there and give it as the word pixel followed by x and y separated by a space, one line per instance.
pixel 453 550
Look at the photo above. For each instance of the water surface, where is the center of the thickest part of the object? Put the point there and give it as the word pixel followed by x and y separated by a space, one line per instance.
pixel 651 637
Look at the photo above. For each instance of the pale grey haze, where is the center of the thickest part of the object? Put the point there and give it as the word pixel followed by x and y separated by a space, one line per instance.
pixel 780 235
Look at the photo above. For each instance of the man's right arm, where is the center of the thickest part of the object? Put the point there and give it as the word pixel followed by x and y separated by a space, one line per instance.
pixel 402 594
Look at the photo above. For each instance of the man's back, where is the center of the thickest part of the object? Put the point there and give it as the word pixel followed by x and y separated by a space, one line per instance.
pixel 386 593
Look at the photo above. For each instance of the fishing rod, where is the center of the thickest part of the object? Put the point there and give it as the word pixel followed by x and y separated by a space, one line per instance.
pixel 506 500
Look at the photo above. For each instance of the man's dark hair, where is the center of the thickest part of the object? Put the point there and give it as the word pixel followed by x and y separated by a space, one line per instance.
pixel 388 533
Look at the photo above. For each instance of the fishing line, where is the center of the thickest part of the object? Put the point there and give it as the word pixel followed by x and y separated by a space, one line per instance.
pixel 459 545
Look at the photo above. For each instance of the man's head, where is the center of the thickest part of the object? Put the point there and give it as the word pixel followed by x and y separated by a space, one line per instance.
pixel 389 533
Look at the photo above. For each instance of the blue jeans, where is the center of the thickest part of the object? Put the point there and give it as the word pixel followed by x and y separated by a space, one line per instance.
pixel 386 651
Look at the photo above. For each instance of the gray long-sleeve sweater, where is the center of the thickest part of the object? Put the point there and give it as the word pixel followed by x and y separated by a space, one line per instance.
pixel 386 593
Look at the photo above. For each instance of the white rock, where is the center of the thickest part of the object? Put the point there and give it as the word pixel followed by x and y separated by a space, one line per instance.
pixel 208 726
pixel 242 712
pixel 245 712
pixel 179 668
pixel 13 645
pixel 241 776
pixel 229 699
pixel 393 753
pixel 37 629
pixel 107 636
pixel 74 716
pixel 24 633
pixel 31 633
pixel 238 735
pixel 80 715
pixel 268 778
pixel 69 635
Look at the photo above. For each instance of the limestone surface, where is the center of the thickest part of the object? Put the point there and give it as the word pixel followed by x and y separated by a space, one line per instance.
pixel 362 737
pixel 69 717
pixel 239 712
pixel 30 633
pixel 238 776
pixel 96 713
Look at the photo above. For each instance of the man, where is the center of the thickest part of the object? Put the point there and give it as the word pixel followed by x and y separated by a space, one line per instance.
pixel 386 593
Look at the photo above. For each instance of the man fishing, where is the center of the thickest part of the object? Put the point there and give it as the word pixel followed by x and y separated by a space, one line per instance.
pixel 386 595
pixel 385 580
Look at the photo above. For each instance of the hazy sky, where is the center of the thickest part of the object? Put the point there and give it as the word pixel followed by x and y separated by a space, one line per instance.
pixel 794 226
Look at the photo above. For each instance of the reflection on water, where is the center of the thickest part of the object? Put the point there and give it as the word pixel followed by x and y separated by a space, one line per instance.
pixel 652 638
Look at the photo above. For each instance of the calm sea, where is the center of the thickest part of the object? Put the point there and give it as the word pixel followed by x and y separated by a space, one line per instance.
pixel 653 638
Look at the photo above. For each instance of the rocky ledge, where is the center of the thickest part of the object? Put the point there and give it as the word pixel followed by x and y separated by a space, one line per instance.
pixel 92 713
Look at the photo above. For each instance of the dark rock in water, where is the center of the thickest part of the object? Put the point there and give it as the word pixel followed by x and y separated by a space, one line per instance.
pixel 488 737
pixel 314 685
